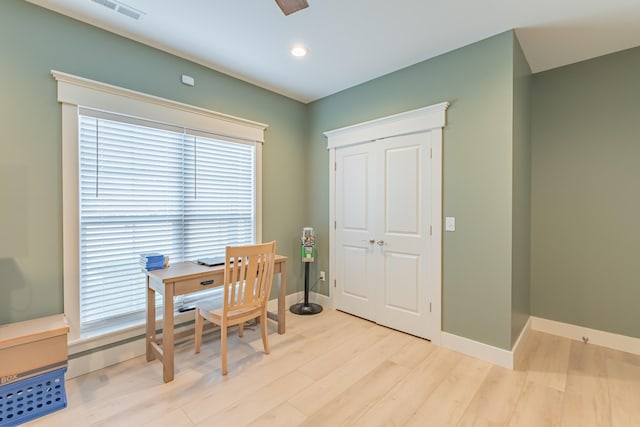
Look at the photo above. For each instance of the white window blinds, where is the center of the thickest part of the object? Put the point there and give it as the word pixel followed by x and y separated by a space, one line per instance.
pixel 150 187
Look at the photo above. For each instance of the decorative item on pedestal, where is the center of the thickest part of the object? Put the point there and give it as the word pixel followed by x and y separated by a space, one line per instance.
pixel 308 253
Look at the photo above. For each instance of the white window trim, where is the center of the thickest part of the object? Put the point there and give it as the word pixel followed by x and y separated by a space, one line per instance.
pixel 75 92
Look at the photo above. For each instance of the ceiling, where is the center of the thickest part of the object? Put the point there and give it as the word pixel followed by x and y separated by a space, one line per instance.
pixel 353 41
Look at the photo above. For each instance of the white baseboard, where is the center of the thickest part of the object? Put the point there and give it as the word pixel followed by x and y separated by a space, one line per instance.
pixel 520 345
pixel 498 356
pixel 297 297
pixel 119 353
pixel 510 359
pixel 103 358
pixel 597 337
pixel 488 353
pixel 272 305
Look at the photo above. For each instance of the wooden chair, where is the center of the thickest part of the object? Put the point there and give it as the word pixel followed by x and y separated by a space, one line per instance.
pixel 248 274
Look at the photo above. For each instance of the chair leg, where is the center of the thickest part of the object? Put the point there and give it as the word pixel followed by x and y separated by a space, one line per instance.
pixel 241 329
pixel 198 332
pixel 223 351
pixel 265 336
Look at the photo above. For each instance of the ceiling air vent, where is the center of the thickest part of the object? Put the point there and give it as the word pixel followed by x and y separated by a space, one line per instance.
pixel 129 12
pixel 111 5
pixel 122 8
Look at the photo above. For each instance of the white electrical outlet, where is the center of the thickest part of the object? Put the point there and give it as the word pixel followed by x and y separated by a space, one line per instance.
pixel 322 276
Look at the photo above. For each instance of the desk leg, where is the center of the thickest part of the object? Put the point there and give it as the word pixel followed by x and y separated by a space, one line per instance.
pixel 167 333
pixel 282 309
pixel 151 321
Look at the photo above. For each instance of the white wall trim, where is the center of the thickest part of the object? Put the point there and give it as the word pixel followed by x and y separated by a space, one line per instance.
pixel 498 356
pixel 508 359
pixel 104 358
pixel 597 337
pixel 297 297
pixel 419 120
pixel 105 97
pixel 120 353
pixel 519 347
pixel 488 353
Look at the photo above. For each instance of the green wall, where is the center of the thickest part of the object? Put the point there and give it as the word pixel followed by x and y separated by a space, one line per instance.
pixel 33 41
pixel 585 194
pixel 478 81
pixel 521 234
pixel 540 172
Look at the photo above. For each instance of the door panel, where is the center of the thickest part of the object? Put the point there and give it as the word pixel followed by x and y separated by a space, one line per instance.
pixel 402 268
pixel 383 218
pixel 406 233
pixel 355 193
pixel 354 205
pixel 356 273
pixel 402 192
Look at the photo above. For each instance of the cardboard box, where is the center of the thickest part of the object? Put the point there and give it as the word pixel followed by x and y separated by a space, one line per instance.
pixel 32 347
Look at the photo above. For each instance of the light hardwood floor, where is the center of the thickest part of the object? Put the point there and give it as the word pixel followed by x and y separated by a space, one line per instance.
pixel 334 369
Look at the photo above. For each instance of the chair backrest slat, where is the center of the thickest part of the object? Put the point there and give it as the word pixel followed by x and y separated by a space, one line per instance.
pixel 248 275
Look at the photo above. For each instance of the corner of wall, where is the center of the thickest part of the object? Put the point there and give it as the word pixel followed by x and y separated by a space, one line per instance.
pixel 521 196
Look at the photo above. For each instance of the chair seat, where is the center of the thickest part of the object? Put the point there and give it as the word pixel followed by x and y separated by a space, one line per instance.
pixel 211 309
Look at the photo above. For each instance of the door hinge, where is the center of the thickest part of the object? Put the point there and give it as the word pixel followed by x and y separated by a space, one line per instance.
pixel 335 225
pixel 431 153
pixel 429 307
pixel 335 166
pixel 334 283
pixel 431 230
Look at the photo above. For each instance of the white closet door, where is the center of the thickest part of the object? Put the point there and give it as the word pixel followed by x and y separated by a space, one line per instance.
pixel 402 240
pixel 383 218
pixel 356 269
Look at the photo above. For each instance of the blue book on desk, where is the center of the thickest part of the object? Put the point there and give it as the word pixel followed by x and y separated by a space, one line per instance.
pixel 152 261
pixel 155 266
pixel 152 257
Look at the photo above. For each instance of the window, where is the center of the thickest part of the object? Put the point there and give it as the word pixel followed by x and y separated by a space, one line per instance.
pixel 146 187
pixel 144 174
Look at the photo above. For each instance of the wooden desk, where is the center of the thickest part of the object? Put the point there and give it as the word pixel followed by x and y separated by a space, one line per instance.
pixel 183 278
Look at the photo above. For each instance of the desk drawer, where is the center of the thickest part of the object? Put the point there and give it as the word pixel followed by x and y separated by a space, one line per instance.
pixel 203 282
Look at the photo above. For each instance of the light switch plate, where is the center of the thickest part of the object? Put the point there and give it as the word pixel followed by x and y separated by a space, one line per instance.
pixel 450 223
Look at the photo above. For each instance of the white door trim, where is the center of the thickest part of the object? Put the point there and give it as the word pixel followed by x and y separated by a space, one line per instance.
pixel 419 120
pixel 431 118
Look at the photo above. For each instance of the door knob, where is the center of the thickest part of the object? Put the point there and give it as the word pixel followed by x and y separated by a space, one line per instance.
pixel 380 242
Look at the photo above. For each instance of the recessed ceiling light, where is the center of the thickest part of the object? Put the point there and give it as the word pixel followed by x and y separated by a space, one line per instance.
pixel 298 51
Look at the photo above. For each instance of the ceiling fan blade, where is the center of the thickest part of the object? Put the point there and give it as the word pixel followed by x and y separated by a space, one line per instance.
pixel 290 6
